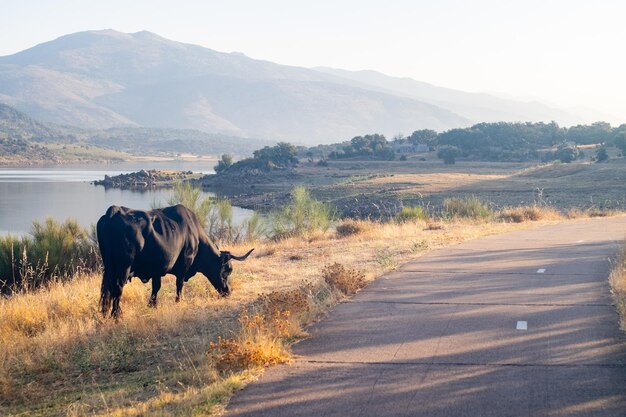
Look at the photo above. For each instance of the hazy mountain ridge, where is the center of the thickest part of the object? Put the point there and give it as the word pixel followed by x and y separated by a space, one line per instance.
pixel 103 79
pixel 106 78
pixel 478 107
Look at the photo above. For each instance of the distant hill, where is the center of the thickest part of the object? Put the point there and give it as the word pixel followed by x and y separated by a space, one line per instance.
pixel 23 135
pixel 15 124
pixel 142 140
pixel 104 79
pixel 478 107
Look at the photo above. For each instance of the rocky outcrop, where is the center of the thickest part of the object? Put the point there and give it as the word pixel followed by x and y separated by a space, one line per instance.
pixel 146 179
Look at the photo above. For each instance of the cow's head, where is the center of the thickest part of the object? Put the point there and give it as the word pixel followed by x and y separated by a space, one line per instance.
pixel 226 268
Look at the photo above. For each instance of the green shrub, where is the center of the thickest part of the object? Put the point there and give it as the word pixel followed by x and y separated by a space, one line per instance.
pixel 216 215
pixel 467 207
pixel 254 228
pixel 448 154
pixel 223 164
pixel 302 216
pixel 601 154
pixel 220 221
pixel 53 251
pixel 191 197
pixel 11 253
pixel 322 163
pixel 567 153
pixel 408 214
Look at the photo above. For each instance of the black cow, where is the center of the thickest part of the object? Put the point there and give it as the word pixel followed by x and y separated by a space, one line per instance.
pixel 150 244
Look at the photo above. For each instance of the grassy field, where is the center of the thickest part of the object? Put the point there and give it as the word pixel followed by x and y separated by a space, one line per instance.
pixel 59 357
pixel 72 152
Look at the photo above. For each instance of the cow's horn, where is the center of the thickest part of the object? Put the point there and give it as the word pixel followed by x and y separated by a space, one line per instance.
pixel 242 258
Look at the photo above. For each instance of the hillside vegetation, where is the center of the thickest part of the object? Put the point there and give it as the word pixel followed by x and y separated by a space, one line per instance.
pixel 502 141
pixel 535 164
pixel 26 141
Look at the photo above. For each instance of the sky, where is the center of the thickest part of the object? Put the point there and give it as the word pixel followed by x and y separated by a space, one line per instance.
pixel 568 53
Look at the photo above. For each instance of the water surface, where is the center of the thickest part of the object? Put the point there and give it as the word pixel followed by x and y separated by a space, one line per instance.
pixel 28 194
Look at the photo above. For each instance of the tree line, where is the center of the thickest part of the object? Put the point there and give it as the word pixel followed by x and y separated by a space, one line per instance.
pixel 501 141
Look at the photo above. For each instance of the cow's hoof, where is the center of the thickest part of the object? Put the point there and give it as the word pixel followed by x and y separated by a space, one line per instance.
pixel 178 299
pixel 152 303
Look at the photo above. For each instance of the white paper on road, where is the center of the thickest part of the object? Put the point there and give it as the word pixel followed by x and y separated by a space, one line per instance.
pixel 522 325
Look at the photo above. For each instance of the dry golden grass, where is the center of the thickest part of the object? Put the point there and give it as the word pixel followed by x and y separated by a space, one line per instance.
pixel 438 182
pixel 618 285
pixel 60 357
pixel 346 280
pixel 529 213
pixel 352 227
pixel 576 213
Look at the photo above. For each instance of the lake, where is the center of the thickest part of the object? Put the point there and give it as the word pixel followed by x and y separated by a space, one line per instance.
pixel 61 192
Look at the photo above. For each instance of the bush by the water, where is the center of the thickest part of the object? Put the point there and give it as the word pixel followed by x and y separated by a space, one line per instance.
pixel 301 216
pixel 467 207
pixel 191 197
pixel 224 163
pixel 52 251
pixel 281 156
pixel 216 215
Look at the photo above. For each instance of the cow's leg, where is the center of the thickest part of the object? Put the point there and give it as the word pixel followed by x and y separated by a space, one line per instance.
pixel 156 286
pixel 105 293
pixel 116 293
pixel 179 286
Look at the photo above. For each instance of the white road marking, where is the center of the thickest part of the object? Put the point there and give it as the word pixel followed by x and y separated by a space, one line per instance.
pixel 522 325
pixel 541 270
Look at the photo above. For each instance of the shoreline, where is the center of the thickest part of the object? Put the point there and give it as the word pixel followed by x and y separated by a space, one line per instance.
pixel 43 163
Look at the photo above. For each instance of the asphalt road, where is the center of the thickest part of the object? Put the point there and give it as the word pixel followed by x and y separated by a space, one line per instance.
pixel 520 324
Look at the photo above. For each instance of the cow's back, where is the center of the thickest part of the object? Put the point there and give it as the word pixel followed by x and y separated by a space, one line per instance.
pixel 150 243
pixel 173 242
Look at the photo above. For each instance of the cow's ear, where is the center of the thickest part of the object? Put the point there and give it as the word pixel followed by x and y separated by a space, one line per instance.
pixel 225 257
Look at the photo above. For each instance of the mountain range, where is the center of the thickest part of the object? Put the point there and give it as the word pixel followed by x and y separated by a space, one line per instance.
pixel 104 79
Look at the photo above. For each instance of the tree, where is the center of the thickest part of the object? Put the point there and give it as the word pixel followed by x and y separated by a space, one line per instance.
pixel 598 132
pixel 283 155
pixel 372 146
pixel 224 163
pixel 601 154
pixel 425 136
pixel 567 153
pixel 619 140
pixel 448 154
pixel 398 138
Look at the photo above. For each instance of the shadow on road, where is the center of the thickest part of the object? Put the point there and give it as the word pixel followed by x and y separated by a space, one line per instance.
pixel 438 338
